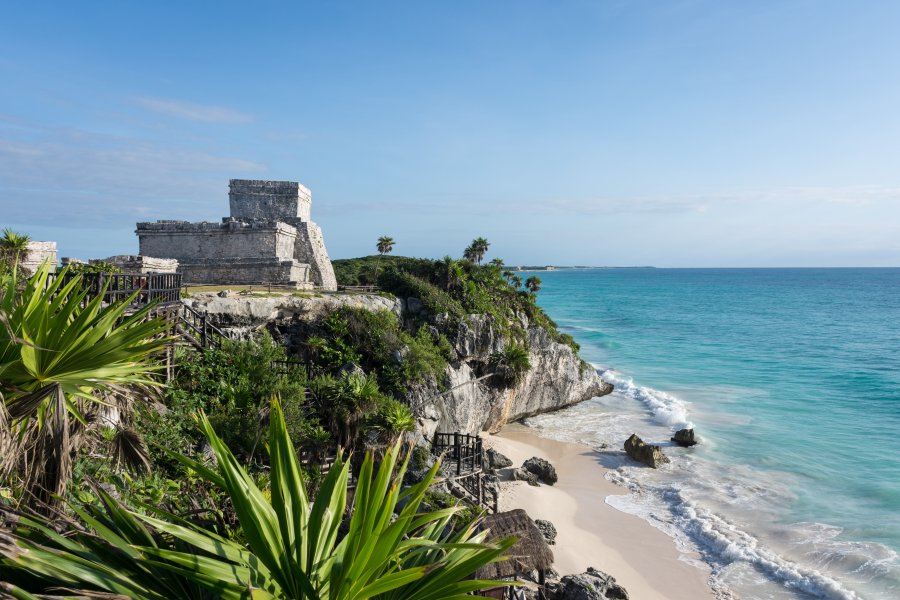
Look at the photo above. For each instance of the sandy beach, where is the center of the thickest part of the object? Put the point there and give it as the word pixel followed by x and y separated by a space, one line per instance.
pixel 590 532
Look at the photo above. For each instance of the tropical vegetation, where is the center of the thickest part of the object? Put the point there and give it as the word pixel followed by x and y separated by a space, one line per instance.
pixel 294 546
pixel 69 365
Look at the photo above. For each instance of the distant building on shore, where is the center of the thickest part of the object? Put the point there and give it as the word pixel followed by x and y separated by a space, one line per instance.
pixel 269 238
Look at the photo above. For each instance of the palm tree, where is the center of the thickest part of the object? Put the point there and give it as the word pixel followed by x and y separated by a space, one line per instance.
pixel 294 549
pixel 497 262
pixel 515 281
pixel 533 284
pixel 12 247
pixel 385 245
pixel 476 250
pixel 63 357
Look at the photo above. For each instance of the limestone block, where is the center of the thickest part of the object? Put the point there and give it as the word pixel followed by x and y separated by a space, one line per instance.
pixel 36 254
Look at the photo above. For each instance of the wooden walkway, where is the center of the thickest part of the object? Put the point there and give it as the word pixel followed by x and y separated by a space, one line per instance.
pixel 464 463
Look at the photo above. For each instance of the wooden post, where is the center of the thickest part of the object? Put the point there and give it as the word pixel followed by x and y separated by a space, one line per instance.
pixel 458 450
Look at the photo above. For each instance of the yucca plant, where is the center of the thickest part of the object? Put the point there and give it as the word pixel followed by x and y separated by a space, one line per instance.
pixel 61 354
pixel 295 547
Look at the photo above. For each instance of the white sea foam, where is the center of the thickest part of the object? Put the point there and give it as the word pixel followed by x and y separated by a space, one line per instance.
pixel 665 408
pixel 727 512
pixel 722 544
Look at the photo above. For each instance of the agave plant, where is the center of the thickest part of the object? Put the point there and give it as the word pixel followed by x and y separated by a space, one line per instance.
pixel 62 354
pixel 295 547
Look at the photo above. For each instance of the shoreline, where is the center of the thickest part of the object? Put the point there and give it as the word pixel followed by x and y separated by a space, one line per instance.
pixel 590 532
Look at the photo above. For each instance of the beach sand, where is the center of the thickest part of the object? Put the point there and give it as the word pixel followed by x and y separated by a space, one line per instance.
pixel 590 532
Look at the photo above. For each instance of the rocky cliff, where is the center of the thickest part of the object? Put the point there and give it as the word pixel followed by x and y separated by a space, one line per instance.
pixel 469 400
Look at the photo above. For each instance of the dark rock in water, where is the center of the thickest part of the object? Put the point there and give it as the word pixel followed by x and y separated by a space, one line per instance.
pixel 495 460
pixel 521 474
pixel 648 454
pixel 685 437
pixel 547 530
pixel 591 585
pixel 542 468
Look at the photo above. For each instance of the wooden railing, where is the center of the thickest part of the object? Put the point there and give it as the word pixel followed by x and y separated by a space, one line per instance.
pixel 463 457
pixel 462 450
pixel 358 288
pixel 288 367
pixel 197 325
pixel 160 288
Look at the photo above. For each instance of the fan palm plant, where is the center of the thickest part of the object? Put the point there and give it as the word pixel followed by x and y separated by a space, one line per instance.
pixel 13 246
pixel 62 355
pixel 294 549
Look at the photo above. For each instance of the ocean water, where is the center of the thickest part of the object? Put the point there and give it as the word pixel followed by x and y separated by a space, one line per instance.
pixel 791 379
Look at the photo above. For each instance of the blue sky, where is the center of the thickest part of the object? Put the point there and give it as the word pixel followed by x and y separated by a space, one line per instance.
pixel 692 133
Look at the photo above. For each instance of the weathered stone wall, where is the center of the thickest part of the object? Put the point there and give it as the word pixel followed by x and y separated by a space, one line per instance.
pixel 36 254
pixel 269 225
pixel 309 247
pixel 140 264
pixel 188 242
pixel 247 271
pixel 268 200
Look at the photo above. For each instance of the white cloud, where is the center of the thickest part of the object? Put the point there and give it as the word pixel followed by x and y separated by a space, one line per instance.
pixel 55 175
pixel 193 112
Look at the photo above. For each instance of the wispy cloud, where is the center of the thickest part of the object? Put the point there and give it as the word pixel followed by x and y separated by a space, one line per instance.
pixel 193 112
pixel 82 178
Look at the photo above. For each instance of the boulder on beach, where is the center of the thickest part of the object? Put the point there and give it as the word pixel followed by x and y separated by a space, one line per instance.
pixel 590 585
pixel 685 437
pixel 494 460
pixel 521 474
pixel 542 468
pixel 650 455
pixel 547 530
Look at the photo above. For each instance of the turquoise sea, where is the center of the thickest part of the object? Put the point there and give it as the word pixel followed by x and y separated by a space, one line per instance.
pixel 791 378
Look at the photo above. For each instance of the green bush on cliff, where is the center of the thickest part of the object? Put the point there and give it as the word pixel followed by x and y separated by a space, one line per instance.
pixel 456 288
pixel 375 341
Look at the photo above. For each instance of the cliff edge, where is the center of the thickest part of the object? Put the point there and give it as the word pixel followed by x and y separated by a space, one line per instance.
pixel 468 398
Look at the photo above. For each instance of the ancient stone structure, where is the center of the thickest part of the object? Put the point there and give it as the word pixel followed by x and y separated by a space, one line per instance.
pixel 36 254
pixel 138 265
pixel 268 239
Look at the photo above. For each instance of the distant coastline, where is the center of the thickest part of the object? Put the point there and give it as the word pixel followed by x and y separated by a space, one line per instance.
pixel 571 267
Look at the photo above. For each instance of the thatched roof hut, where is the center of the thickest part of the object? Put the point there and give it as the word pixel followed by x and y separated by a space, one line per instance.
pixel 529 553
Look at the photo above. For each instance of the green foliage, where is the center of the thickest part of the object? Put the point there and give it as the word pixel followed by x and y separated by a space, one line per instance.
pixel 13 246
pixel 364 270
pixel 63 356
pixel 294 547
pixel 385 245
pixel 375 341
pixel 392 418
pixel 231 385
pixel 511 363
pixel 95 267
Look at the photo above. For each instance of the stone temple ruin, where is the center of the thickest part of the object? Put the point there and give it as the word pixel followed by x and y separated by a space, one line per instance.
pixel 268 239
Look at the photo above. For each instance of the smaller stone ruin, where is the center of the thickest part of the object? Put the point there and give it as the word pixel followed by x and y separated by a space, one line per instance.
pixel 139 265
pixel 269 238
pixel 36 254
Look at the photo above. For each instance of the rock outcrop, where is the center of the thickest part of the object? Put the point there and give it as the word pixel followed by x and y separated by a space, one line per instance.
pixel 685 437
pixel 522 474
pixel 494 460
pixel 468 400
pixel 542 469
pixel 590 585
pixel 547 529
pixel 650 455
pixel 557 378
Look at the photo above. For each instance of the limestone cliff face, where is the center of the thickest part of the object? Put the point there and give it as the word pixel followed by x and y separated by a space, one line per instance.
pixel 469 400
pixel 557 378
